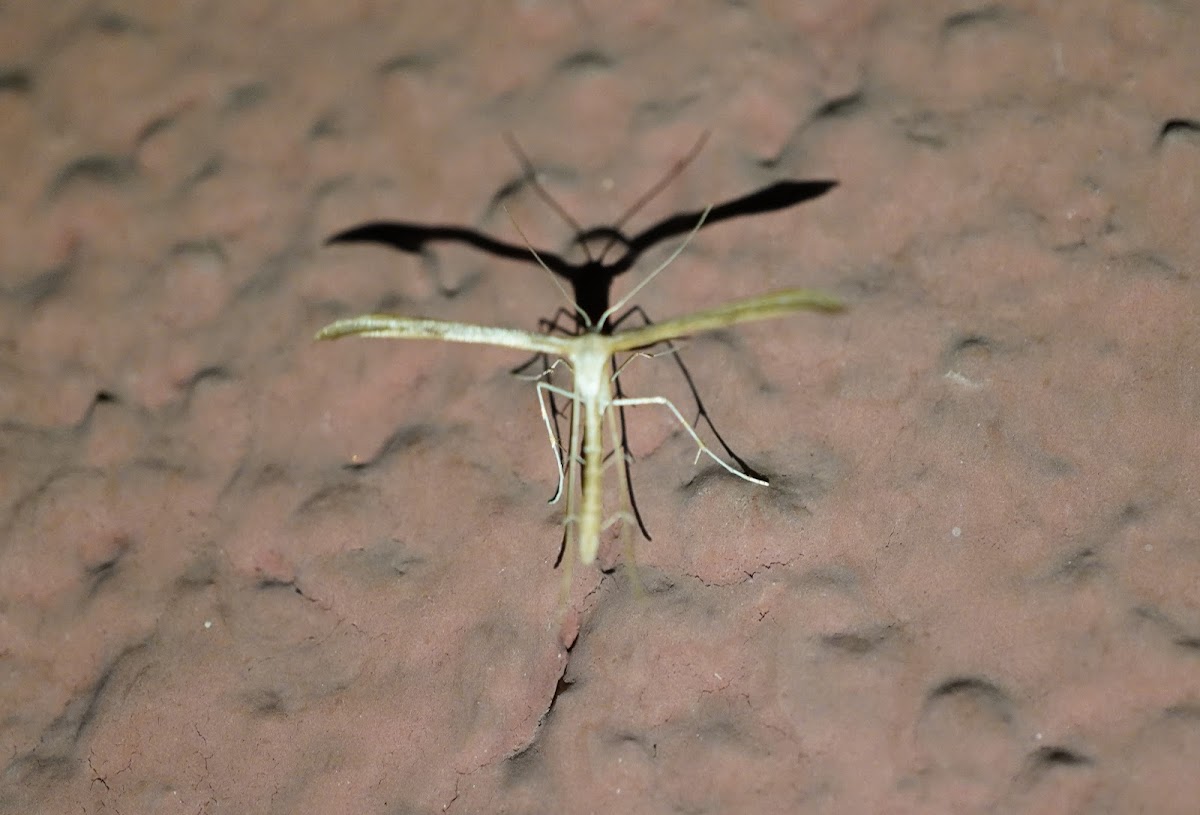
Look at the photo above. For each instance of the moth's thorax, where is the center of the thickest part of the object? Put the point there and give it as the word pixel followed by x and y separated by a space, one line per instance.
pixel 589 360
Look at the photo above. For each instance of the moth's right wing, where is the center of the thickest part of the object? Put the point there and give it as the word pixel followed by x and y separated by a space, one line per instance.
pixel 767 306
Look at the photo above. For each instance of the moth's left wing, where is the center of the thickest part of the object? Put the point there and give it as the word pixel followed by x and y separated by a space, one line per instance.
pixel 390 326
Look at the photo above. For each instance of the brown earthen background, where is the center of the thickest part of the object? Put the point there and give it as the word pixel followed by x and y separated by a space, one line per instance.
pixel 974 585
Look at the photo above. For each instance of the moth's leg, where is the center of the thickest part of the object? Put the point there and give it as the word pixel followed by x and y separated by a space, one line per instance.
pixel 701 410
pixel 546 370
pixel 670 349
pixel 550 326
pixel 574 463
pixel 623 446
pixel 550 417
pixel 625 513
pixel 570 396
pixel 544 388
pixel 703 448
pixel 626 499
pixel 625 454
pixel 569 543
pixel 519 371
pixel 555 442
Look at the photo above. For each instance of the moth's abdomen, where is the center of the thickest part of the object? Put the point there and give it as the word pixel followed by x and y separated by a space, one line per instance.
pixel 593 487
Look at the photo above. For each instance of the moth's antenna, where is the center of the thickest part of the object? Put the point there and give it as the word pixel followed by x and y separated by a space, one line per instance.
pixel 553 278
pixel 651 193
pixel 620 304
pixel 531 175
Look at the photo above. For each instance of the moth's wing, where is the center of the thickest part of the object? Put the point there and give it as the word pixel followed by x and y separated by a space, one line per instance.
pixel 412 328
pixel 767 306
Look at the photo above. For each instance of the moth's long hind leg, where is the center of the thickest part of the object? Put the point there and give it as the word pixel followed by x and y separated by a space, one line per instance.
pixel 623 450
pixel 551 326
pixel 568 469
pixel 701 410
pixel 574 468
pixel 552 433
pixel 703 448
pixel 626 513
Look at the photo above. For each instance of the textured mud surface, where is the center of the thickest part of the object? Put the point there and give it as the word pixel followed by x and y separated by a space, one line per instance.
pixel 240 572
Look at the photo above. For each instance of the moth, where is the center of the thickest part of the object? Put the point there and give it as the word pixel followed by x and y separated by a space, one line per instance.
pixel 593 399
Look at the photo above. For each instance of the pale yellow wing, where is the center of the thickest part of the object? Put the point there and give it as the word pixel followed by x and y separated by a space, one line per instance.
pixel 767 306
pixel 412 328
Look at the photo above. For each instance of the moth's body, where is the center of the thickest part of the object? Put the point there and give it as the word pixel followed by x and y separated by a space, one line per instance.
pixel 593 389
pixel 592 401
pixel 591 404
pixel 592 394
